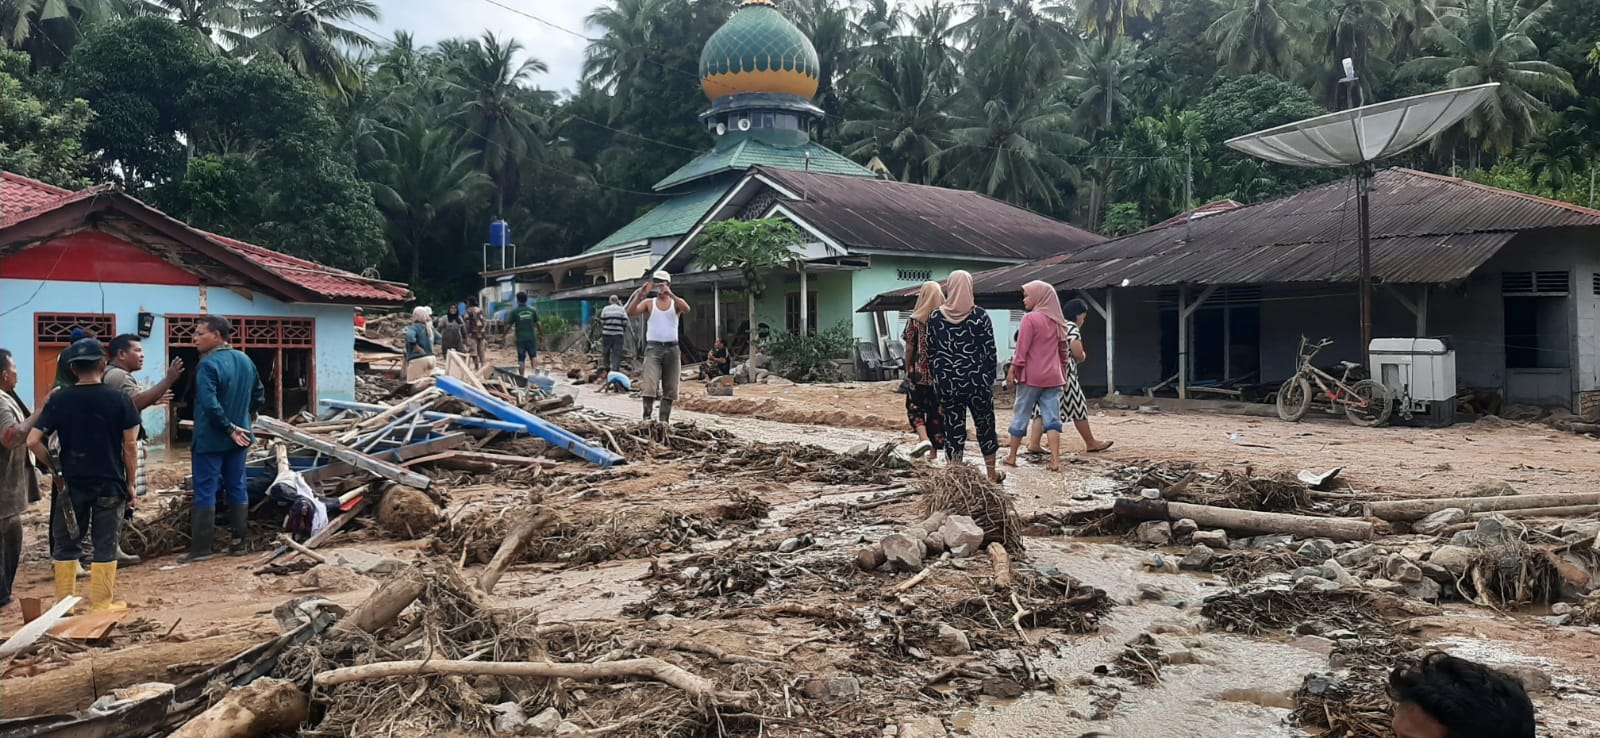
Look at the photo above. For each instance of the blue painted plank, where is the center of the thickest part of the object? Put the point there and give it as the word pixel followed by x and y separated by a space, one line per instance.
pixel 483 423
pixel 556 435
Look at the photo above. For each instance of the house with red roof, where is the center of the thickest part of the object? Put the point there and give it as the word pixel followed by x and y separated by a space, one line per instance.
pixel 102 261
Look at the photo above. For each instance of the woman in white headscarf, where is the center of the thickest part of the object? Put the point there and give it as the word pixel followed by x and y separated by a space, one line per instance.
pixel 419 359
pixel 922 398
pixel 962 355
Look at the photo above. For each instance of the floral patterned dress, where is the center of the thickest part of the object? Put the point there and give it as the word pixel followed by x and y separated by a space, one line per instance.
pixel 922 398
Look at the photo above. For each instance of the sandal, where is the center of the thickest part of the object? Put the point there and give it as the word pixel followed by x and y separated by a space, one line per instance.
pixel 999 476
pixel 1103 447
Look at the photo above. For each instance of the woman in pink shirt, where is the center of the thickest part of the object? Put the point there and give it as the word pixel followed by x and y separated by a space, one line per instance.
pixel 1038 369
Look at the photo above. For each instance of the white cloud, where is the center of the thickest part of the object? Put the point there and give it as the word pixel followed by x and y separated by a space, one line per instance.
pixel 432 21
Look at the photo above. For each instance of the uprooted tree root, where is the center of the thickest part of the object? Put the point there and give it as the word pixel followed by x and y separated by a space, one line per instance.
pixel 1507 577
pixel 1184 482
pixel 960 489
pixel 166 531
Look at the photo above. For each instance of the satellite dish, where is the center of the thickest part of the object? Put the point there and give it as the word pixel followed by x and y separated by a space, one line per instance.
pixel 744 124
pixel 722 129
pixel 1358 137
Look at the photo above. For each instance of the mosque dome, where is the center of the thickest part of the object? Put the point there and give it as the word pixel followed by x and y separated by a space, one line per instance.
pixel 759 51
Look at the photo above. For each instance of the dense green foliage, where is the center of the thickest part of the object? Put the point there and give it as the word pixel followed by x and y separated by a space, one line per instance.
pixel 289 124
pixel 810 357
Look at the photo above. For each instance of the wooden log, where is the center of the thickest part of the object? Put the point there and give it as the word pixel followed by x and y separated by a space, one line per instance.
pixel 81 682
pixel 1567 511
pixel 308 553
pixel 1003 578
pixel 274 427
pixel 521 532
pixel 384 604
pixel 702 690
pixel 1418 509
pixel 1249 521
pixel 263 707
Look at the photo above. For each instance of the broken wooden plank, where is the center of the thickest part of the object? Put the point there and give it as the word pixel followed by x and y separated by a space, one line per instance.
pixel 1418 509
pixel 90 626
pixel 437 417
pixel 33 631
pixel 336 468
pixel 274 427
pixel 554 434
pixel 1249 521
pixel 317 540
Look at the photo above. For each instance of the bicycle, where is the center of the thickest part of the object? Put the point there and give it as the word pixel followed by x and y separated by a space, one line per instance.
pixel 1366 402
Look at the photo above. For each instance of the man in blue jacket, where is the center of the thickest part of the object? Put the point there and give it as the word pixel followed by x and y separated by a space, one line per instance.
pixel 227 394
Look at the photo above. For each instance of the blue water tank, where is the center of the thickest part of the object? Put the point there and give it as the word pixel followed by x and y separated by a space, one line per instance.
pixel 499 234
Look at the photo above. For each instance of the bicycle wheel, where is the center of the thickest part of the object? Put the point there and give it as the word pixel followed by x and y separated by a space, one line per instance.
pixel 1294 399
pixel 1373 403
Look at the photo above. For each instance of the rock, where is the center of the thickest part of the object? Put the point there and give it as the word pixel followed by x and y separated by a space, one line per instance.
pixel 859 449
pixel 950 642
pixel 1557 620
pixel 833 688
pixel 789 545
pixel 1316 584
pixel 962 535
pixel 1199 558
pixel 1533 679
pixel 1384 585
pixel 1002 688
pixel 1436 572
pixel 1496 530
pixel 1398 569
pixel 545 722
pixel 1216 539
pixel 363 562
pixel 904 552
pixel 1359 557
pixel 1154 533
pixel 689 573
pixel 509 718
pixel 1435 524
pixel 1184 528
pixel 923 727
pixel 1310 571
pixel 567 727
pixel 1316 549
pixel 1162 564
pixel 1150 591
pixel 1561 608
pixel 1343 635
pixel 1150 494
pixel 1453 559
pixel 934 542
pixel 1464 539
pixel 1490 488
pixel 1427 590
pixel 891 731
pixel 1272 543
pixel 868 559
pixel 1315 644
pixel 1340 574
pixel 963 721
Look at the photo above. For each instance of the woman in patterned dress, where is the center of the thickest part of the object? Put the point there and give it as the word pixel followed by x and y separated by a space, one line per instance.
pixel 962 356
pixel 1074 406
pixel 922 400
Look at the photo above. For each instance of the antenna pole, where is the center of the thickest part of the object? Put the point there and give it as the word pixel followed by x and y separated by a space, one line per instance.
pixel 1363 209
pixel 1188 191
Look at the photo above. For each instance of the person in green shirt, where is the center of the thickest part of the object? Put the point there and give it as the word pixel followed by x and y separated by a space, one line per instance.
pixel 525 321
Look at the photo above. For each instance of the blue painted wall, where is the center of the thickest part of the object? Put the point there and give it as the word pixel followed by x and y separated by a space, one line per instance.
pixel 21 299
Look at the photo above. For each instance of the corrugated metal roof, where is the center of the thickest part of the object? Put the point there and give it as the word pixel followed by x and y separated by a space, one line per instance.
pixel 883 215
pixel 673 217
pixel 751 151
pixel 1426 228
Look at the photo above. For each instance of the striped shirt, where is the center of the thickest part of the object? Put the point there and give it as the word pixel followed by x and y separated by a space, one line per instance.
pixel 613 321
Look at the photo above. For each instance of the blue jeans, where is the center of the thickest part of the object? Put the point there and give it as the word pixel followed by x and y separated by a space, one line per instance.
pixel 219 472
pixel 527 351
pixel 1046 399
pixel 97 506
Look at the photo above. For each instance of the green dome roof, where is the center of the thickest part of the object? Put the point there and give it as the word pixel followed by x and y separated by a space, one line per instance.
pixel 758 51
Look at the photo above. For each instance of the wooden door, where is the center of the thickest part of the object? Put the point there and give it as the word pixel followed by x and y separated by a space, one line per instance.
pixel 52 333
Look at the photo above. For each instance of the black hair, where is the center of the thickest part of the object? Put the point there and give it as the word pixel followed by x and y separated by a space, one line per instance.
pixel 123 343
pixel 218 325
pixel 1074 308
pixel 6 362
pixel 522 297
pixel 1470 700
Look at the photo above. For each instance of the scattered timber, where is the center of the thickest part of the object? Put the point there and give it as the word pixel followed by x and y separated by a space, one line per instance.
pixel 1249 521
pixel 1407 510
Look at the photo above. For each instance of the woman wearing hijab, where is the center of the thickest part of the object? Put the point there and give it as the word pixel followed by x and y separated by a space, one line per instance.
pixel 1074 407
pixel 922 398
pixel 961 355
pixel 1038 369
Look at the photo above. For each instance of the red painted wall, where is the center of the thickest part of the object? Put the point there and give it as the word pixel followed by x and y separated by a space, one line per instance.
pixel 92 256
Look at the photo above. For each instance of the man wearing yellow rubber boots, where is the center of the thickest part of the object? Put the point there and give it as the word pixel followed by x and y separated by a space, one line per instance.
pixel 98 432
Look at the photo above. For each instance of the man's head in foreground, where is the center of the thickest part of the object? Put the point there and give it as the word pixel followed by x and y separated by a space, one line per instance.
pixel 1445 697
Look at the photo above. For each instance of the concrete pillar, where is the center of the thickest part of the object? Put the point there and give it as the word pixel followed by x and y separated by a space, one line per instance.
pixel 805 303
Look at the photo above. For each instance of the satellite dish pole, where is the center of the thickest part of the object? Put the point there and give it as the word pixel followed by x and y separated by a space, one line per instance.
pixel 1356 138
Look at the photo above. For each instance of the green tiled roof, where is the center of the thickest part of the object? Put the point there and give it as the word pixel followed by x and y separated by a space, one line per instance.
pixel 673 217
pixel 753 152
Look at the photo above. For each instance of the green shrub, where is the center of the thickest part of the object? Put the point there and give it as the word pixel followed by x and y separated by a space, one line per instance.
pixel 809 358
pixel 553 328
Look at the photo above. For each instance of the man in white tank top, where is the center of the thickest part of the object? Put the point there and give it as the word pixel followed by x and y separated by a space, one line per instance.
pixel 661 358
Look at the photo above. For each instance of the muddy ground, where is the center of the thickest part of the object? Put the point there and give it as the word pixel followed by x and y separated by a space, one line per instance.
pixel 688 548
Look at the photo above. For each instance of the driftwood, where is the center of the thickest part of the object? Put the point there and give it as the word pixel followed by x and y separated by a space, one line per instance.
pixel 926 572
pixel 74 686
pixel 1249 521
pixel 264 707
pixel 33 631
pixel 517 537
pixel 308 553
pixel 702 690
pixel 384 604
pixel 1566 511
pixel 1003 578
pixel 1418 509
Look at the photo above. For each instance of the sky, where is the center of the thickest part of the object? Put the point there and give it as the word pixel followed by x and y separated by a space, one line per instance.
pixel 434 20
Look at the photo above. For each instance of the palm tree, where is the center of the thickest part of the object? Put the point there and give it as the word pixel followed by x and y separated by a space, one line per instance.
pixel 1108 74
pixel 305 34
pixel 204 17
pixel 827 24
pixel 496 121
pixel 1411 18
pixel 1157 152
pixel 935 25
pixel 1258 36
pixel 1358 30
pixel 1014 146
pixel 901 116
pixel 1108 19
pixel 619 53
pixel 1559 158
pixel 1488 41
pixel 878 21
pixel 420 182
pixel 48 29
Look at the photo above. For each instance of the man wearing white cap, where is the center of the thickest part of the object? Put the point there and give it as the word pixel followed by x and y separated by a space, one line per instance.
pixel 661 358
